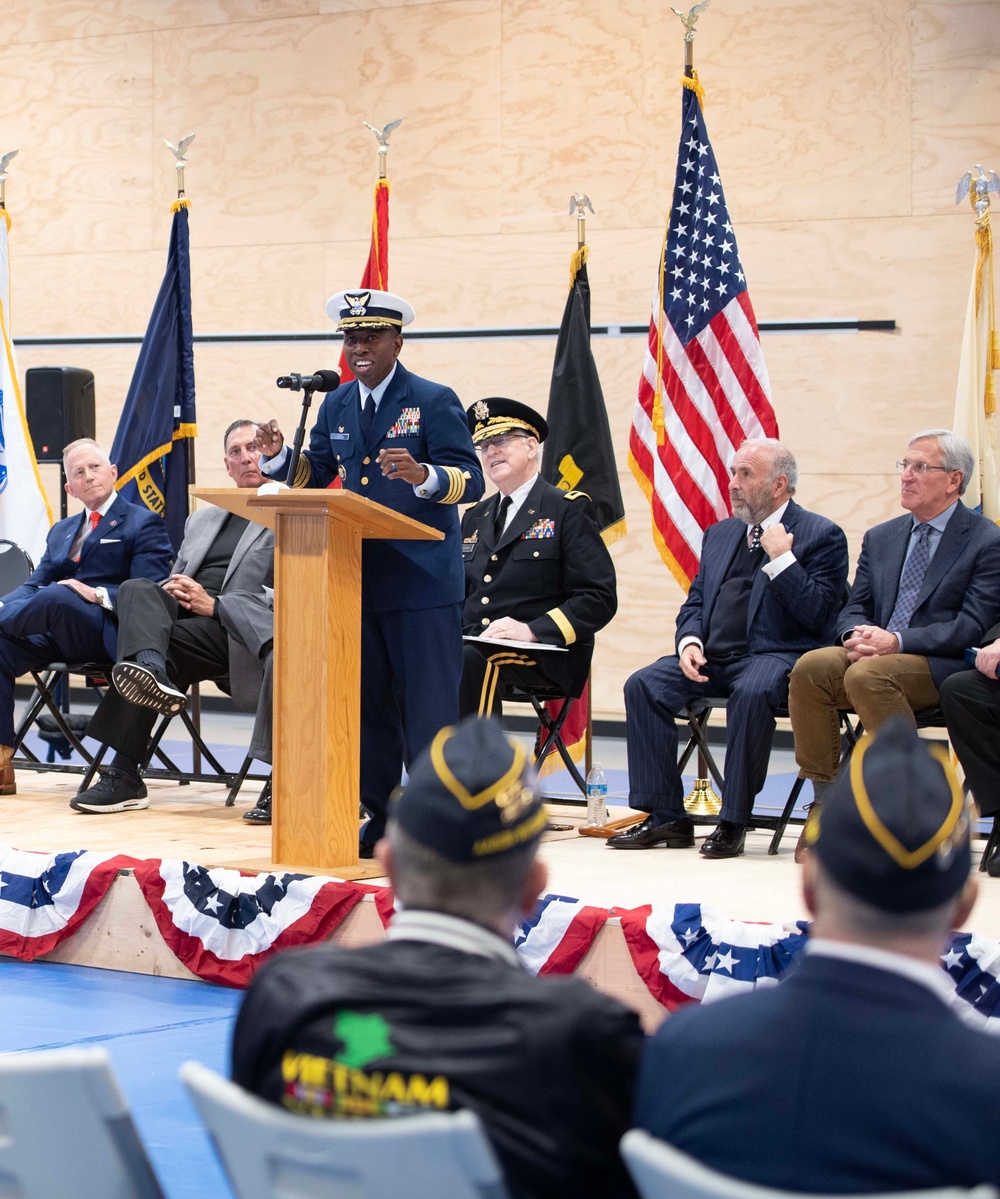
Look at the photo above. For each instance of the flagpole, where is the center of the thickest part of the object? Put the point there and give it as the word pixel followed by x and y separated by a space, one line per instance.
pixel 702 799
pixel 179 152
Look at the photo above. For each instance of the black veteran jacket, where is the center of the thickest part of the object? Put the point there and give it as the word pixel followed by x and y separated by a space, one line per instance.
pixel 547 1064
pixel 550 569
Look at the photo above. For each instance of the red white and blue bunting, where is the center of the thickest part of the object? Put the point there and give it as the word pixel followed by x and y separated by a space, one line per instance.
pixel 45 897
pixel 556 937
pixel 686 953
pixel 222 925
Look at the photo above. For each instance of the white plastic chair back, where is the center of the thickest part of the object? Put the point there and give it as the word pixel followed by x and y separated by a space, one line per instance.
pixel 66 1131
pixel 660 1171
pixel 273 1154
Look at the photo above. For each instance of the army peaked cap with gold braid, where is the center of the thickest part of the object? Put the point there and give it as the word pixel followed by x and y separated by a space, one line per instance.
pixel 368 309
pixel 894 827
pixel 496 415
pixel 471 795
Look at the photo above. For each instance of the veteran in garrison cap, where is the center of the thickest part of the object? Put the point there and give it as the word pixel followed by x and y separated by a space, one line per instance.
pixel 536 568
pixel 401 441
pixel 876 1071
pixel 442 1015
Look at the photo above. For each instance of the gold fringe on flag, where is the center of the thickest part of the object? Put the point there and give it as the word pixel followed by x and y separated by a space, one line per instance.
pixel 691 81
pixel 179 204
pixel 576 264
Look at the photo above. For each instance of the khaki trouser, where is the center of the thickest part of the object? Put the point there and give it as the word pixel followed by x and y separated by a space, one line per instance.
pixel 876 688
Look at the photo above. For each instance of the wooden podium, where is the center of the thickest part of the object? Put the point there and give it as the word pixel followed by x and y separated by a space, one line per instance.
pixel 317 666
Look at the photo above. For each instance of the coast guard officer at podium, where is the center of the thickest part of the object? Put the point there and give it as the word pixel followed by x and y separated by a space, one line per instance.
pixel 401 441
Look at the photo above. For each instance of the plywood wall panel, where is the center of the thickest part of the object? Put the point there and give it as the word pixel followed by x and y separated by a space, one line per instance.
pixel 79 111
pixel 56 20
pixel 956 96
pixel 279 107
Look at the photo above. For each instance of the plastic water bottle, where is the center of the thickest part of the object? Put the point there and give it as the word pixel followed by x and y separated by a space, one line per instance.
pixel 597 797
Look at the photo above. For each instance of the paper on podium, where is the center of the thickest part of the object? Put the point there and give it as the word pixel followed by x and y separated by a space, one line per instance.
pixel 559 649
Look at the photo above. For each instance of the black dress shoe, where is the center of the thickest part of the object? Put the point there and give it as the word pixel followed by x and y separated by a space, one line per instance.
pixel 677 834
pixel 115 792
pixel 261 814
pixel 147 687
pixel 727 841
pixel 366 850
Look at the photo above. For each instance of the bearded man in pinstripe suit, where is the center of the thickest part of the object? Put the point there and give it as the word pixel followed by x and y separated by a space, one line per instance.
pixel 771 582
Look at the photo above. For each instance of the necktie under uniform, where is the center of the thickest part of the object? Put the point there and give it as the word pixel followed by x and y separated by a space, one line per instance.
pixel 368 416
pixel 912 579
pixel 500 520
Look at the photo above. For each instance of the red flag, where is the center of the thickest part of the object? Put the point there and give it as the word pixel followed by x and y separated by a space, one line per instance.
pixel 704 387
pixel 376 274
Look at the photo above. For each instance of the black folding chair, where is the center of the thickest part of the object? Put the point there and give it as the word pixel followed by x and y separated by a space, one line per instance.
pixel 550 732
pixel 697 715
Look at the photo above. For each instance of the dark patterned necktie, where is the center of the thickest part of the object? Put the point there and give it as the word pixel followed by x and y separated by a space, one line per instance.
pixel 755 533
pixel 501 517
pixel 912 579
pixel 368 416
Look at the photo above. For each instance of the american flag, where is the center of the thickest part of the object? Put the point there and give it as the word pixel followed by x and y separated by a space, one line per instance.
pixel 704 387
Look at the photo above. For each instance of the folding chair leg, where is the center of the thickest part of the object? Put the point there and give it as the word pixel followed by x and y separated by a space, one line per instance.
pixel 786 815
pixel 238 781
pixel 92 769
pixel 991 844
pixel 553 731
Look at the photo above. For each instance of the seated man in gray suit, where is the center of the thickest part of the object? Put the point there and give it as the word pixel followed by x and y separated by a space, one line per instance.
pixel 927 587
pixel 212 619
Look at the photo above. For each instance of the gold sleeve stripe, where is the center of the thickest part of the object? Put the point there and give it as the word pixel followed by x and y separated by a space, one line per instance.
pixel 563 625
pixel 456 484
pixel 303 472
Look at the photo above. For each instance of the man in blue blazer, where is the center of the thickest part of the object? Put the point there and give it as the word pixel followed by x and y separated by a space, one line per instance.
pixel 858 1072
pixel 65 610
pixel 927 587
pixel 772 578
pixel 401 441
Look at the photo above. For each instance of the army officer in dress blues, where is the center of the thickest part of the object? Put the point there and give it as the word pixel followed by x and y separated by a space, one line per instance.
pixel 401 441
pixel 536 568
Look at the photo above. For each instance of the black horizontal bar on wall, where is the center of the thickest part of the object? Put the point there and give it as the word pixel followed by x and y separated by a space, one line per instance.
pixel 129 339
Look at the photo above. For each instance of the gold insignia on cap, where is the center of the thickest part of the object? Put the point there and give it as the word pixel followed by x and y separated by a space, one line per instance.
pixel 358 304
pixel 473 803
pixel 481 410
pixel 904 858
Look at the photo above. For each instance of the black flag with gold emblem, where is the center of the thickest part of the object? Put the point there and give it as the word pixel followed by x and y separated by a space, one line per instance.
pixel 579 454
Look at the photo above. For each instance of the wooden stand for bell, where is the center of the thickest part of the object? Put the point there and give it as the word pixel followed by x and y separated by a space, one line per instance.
pixel 702 799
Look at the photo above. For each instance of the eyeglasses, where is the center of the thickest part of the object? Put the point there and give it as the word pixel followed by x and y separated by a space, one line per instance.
pixel 918 468
pixel 500 441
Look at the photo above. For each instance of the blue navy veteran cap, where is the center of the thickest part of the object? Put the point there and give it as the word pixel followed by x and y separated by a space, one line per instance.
pixel 471 795
pixel 497 415
pixel 894 827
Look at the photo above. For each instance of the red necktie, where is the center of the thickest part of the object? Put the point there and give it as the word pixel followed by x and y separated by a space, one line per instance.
pixel 95 520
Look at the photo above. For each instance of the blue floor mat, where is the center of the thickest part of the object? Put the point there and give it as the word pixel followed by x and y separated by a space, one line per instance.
pixel 149 1026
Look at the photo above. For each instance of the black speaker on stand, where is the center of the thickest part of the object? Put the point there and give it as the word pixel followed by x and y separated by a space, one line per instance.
pixel 59 405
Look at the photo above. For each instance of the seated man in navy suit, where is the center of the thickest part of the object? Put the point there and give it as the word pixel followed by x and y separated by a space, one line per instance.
pixel 65 611
pixel 855 1074
pixel 927 587
pixel 771 580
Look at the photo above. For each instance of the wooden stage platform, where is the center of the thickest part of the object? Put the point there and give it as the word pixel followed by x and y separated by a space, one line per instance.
pixel 191 823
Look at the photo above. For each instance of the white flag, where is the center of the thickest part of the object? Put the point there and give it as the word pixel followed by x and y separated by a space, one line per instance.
pixel 975 395
pixel 25 516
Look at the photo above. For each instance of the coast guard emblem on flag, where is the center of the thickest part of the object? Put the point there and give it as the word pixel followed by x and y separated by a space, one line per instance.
pixel 359 304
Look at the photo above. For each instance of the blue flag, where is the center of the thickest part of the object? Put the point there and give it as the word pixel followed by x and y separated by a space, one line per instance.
pixel 159 414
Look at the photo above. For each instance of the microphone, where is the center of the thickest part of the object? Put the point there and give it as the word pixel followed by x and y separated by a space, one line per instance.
pixel 321 381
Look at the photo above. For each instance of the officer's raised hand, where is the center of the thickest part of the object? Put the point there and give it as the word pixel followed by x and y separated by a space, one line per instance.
pixel 271 439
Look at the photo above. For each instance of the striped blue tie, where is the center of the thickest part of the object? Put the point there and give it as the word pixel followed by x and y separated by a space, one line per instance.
pixel 912 579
